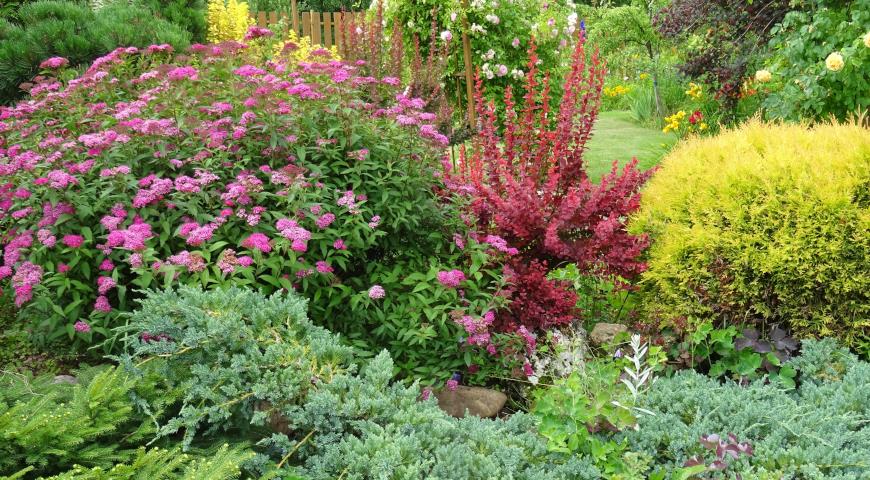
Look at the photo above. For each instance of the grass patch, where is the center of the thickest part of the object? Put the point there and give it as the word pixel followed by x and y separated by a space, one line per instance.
pixel 617 137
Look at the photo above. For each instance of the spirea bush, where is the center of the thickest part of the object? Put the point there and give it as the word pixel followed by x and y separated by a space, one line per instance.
pixel 218 168
pixel 819 430
pixel 764 224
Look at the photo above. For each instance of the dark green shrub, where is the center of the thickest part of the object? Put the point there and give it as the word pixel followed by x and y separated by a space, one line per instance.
pixel 187 14
pixel 819 430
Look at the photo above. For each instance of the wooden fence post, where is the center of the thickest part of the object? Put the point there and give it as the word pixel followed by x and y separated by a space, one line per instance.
pixel 306 24
pixel 295 20
pixel 327 29
pixel 315 28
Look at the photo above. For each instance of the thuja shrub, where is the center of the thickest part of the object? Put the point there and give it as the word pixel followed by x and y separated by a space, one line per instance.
pixel 818 430
pixel 748 228
pixel 217 169
pixel 529 186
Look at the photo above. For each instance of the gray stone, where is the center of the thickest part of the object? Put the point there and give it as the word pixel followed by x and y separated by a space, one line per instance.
pixel 65 379
pixel 603 333
pixel 478 401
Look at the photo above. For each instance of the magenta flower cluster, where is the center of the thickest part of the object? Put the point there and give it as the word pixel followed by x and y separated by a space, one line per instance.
pixel 451 279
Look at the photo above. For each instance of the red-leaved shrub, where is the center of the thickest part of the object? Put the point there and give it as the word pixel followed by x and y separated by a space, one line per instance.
pixel 529 186
pixel 536 301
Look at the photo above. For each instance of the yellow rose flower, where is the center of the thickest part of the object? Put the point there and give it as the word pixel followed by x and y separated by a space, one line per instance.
pixel 834 62
pixel 867 39
pixel 763 76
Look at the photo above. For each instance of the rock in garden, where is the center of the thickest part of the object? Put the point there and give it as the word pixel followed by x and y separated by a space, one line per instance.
pixel 481 402
pixel 65 379
pixel 603 333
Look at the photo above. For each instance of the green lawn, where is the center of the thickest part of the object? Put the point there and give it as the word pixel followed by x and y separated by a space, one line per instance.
pixel 617 137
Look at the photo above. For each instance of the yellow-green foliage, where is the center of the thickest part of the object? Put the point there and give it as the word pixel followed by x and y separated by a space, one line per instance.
pixel 764 223
pixel 297 49
pixel 227 20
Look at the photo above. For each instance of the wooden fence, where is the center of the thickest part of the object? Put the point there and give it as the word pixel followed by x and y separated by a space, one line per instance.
pixel 322 28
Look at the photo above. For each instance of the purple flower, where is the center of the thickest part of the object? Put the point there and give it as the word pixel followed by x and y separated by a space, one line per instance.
pixel 452 384
pixel 104 284
pixel 82 327
pixel 257 32
pixel 376 292
pixel 527 369
pixel 181 73
pixel 338 244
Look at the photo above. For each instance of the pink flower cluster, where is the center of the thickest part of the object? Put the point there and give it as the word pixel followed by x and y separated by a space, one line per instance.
pixel 500 244
pixel 376 292
pixel 26 277
pixel 54 63
pixel 291 230
pixel 477 329
pixel 257 241
pixel 451 279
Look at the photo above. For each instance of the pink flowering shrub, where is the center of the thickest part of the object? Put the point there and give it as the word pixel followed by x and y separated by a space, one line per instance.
pixel 215 168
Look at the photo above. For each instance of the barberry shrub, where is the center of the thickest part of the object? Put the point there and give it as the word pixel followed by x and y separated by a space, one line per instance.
pixel 218 168
pixel 529 186
pixel 748 229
